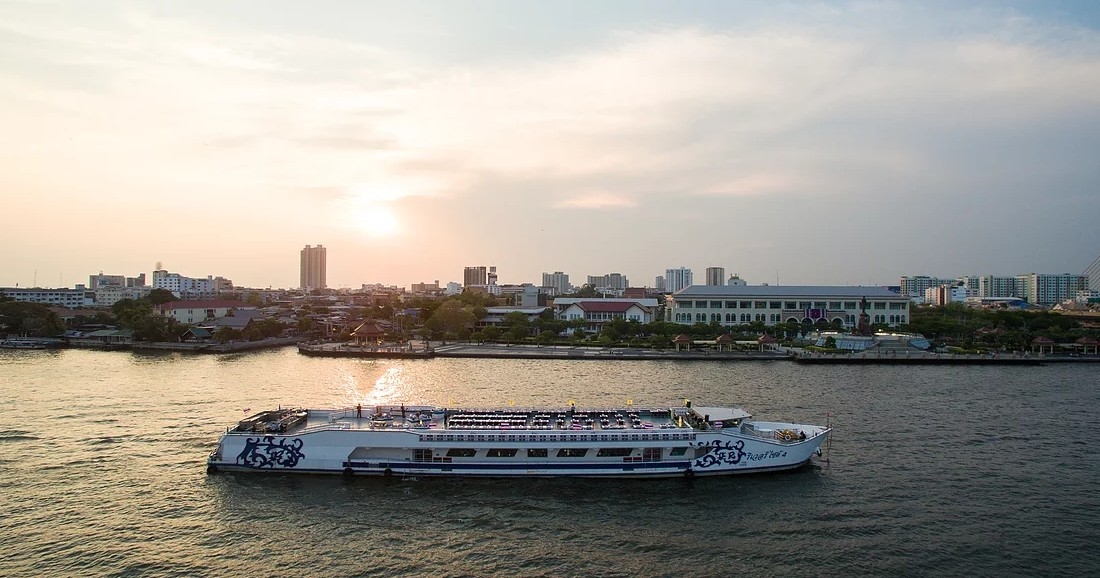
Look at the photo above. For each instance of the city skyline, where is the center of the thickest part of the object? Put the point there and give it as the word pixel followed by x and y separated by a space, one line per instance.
pixel 843 143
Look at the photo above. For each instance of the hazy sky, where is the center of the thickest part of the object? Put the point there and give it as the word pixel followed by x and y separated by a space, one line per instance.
pixel 820 142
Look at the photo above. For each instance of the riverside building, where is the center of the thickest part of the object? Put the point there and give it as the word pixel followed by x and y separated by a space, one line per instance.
pixel 775 305
pixel 314 268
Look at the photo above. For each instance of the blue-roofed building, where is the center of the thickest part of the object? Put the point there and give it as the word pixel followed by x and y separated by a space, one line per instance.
pixel 779 304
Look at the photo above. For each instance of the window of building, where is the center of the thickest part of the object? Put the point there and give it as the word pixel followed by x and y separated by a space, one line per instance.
pixel 715 304
pixel 537 453
pixel 878 305
pixel 461 452
pixel 501 453
pixel 834 305
pixel 849 304
pixel 572 452
pixel 731 305
pixel 775 304
pixel 790 305
pixel 761 304
pixel 745 304
pixel 687 304
pixel 819 304
pixel 614 452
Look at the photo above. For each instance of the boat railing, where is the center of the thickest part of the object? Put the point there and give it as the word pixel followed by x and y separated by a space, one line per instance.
pixel 336 425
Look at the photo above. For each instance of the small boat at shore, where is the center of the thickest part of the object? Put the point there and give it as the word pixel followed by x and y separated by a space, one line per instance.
pixel 391 440
pixel 30 343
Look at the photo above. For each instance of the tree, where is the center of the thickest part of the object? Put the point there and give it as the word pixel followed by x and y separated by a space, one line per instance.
pixel 491 333
pixel 450 318
pixel 226 334
pixel 518 332
pixel 29 319
pixel 659 341
pixel 160 296
pixel 585 290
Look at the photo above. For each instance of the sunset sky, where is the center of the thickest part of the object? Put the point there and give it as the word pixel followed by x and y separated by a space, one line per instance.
pixel 827 143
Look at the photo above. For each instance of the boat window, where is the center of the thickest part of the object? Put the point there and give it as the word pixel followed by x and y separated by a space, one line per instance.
pixel 422 455
pixel 700 452
pixel 614 452
pixel 651 454
pixel 537 453
pixel 677 452
pixel 501 452
pixel 461 452
pixel 572 452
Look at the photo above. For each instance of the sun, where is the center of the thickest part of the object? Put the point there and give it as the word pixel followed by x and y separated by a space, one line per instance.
pixel 377 220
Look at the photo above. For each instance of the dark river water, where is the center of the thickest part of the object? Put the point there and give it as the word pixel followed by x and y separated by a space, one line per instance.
pixel 937 471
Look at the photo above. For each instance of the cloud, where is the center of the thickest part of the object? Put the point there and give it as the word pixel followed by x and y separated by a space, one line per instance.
pixel 595 201
pixel 688 115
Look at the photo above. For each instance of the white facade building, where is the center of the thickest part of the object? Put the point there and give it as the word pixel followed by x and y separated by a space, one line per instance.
pixel 200 311
pixel 774 305
pixel 944 294
pixel 557 281
pixel 677 279
pixel 915 286
pixel 1048 289
pixel 597 312
pixel 108 296
pixel 190 287
pixel 70 298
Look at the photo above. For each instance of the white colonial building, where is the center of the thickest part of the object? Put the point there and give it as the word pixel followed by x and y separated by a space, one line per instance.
pixel 778 304
pixel 200 311
pixel 597 311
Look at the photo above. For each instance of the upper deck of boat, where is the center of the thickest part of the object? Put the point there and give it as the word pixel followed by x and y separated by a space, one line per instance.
pixel 424 418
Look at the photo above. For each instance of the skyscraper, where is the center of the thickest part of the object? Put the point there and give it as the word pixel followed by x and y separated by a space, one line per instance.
pixel 716 275
pixel 677 279
pixel 313 268
pixel 558 280
pixel 476 276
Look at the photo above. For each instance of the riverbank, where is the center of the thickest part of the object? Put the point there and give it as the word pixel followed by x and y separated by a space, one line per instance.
pixel 580 353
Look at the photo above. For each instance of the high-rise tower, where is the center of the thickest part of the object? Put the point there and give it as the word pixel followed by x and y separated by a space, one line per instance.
pixel 313 268
pixel 677 279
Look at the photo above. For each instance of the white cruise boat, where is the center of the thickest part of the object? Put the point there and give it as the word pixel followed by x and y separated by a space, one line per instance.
pixel 599 442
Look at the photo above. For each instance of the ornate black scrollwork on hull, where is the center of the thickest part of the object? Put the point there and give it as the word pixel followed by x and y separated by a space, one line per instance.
pixel 722 453
pixel 267 453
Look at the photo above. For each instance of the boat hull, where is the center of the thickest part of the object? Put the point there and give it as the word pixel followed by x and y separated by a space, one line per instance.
pixel 681 452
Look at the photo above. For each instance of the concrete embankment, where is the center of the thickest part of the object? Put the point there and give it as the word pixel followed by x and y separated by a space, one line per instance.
pixel 599 353
pixel 231 347
pixel 504 351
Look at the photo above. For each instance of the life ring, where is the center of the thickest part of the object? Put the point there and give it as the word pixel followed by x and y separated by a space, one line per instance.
pixel 787 436
pixel 211 469
pixel 387 472
pixel 348 473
